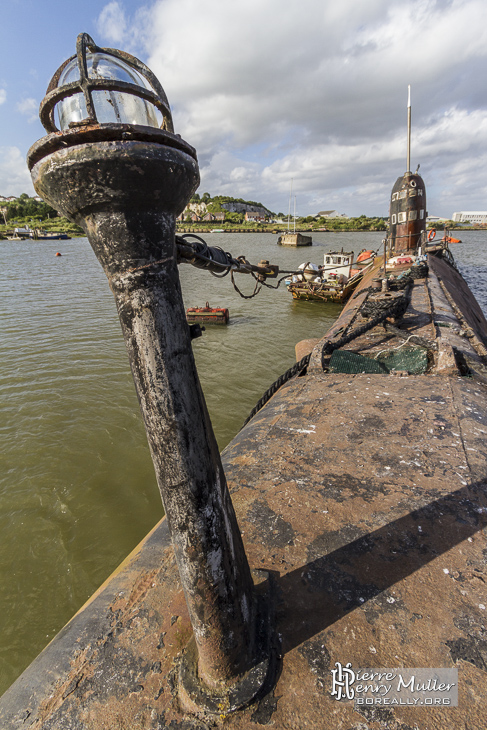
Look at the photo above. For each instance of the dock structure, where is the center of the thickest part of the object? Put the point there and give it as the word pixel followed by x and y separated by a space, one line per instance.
pixel 360 492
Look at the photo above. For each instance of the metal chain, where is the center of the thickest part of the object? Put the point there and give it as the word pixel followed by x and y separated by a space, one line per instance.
pixel 257 288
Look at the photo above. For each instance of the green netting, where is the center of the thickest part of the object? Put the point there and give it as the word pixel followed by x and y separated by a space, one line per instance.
pixel 344 361
pixel 413 360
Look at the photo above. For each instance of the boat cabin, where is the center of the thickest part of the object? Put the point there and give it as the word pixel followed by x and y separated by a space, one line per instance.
pixel 337 264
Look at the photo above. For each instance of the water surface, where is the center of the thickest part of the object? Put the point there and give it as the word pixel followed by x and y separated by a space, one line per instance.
pixel 77 489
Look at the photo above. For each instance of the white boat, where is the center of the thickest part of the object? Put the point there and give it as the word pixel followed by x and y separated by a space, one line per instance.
pixel 16 237
pixel 20 234
pixel 337 266
pixel 332 282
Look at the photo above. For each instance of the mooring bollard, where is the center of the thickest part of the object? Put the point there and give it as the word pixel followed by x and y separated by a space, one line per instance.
pixel 124 177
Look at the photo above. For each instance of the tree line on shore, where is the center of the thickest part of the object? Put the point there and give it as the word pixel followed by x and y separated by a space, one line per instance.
pixel 26 207
pixel 218 203
pixel 26 210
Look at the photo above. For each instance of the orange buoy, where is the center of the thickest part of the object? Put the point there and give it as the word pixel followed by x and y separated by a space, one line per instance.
pixel 216 315
pixel 364 255
pixel 57 253
pixel 449 239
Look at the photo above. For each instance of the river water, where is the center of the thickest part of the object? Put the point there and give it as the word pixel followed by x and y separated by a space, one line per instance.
pixel 77 489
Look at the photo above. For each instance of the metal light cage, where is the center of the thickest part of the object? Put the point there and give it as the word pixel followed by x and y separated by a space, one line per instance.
pixel 86 85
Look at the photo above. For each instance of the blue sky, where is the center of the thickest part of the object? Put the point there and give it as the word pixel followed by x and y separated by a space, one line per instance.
pixel 313 91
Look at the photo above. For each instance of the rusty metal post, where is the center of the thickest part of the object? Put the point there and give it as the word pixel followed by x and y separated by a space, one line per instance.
pixel 125 188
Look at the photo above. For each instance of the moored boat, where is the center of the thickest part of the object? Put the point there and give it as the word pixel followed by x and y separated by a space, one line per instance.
pixel 20 234
pixel 16 237
pixel 334 281
pixel 38 235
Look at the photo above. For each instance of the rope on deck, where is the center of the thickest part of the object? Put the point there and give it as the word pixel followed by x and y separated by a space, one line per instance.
pixel 394 309
pixel 377 312
pixel 298 369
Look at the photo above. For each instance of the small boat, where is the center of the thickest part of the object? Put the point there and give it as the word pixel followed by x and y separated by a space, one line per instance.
pixel 20 234
pixel 334 281
pixel 217 230
pixel 16 237
pixel 38 235
pixel 210 315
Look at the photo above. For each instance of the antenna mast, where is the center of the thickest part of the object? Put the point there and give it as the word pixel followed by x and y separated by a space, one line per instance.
pixel 408 162
pixel 290 198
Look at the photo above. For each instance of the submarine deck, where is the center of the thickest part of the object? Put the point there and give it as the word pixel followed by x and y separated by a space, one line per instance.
pixel 364 496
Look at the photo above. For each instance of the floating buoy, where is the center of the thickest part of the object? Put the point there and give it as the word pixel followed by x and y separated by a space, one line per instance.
pixel 58 254
pixel 215 315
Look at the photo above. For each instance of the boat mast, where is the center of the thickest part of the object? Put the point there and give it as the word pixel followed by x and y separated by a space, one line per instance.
pixel 289 209
pixel 408 162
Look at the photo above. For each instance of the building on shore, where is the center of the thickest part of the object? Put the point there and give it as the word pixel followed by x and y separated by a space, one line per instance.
pixel 470 216
pixel 254 217
pixel 331 214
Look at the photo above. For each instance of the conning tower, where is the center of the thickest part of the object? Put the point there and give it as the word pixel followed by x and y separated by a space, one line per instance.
pixel 407 213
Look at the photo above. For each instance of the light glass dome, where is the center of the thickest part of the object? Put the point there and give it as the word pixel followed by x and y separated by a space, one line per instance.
pixel 110 106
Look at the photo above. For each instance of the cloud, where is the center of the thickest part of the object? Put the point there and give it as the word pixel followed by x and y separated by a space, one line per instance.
pixel 30 108
pixel 3 96
pixel 318 93
pixel 14 174
pixel 118 30
pixel 112 23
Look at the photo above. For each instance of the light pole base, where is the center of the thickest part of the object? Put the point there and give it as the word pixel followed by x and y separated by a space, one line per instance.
pixel 197 697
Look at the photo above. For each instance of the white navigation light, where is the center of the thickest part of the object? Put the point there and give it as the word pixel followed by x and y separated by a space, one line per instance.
pixel 110 106
pixel 104 86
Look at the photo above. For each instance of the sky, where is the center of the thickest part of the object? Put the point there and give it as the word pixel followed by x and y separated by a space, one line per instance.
pixel 274 93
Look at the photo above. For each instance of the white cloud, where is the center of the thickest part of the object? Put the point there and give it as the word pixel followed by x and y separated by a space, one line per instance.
pixel 112 23
pixel 118 30
pixel 318 91
pixel 29 107
pixel 3 96
pixel 14 174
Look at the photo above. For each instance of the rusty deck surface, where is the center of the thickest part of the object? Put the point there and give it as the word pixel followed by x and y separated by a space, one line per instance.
pixel 364 496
